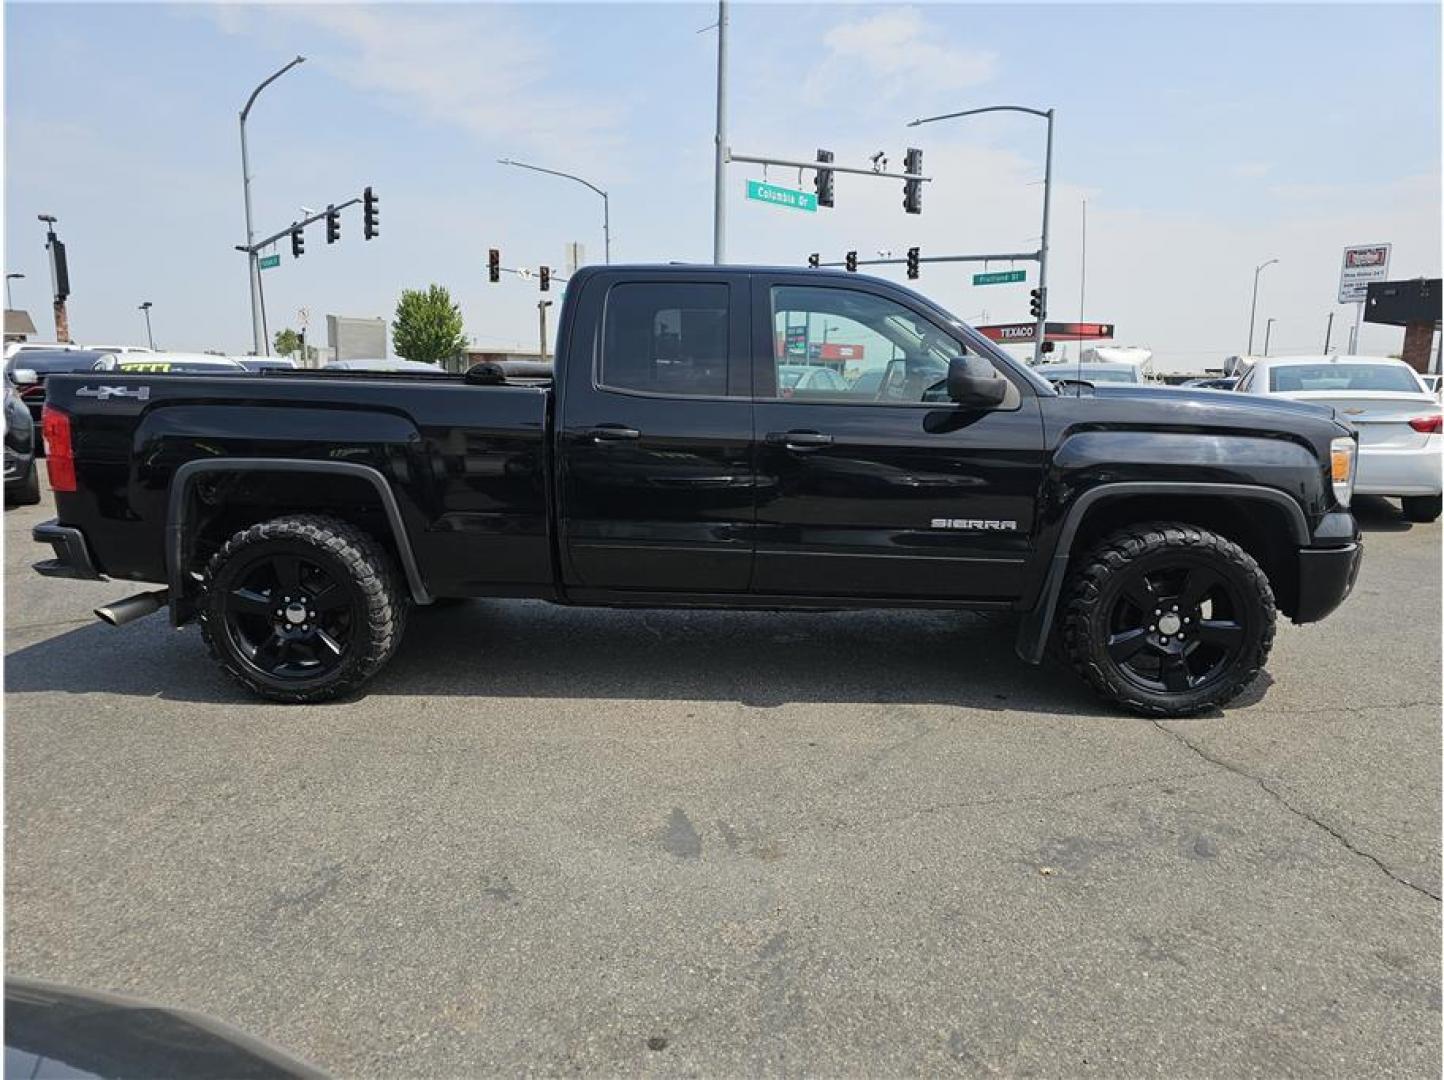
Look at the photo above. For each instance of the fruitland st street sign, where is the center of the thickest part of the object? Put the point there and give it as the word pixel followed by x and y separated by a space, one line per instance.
pixel 781 196
pixel 1002 277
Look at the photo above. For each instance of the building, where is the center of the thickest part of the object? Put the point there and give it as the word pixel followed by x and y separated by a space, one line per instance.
pixel 18 326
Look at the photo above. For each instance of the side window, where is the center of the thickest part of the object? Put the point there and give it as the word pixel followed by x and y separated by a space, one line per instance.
pixel 844 345
pixel 666 339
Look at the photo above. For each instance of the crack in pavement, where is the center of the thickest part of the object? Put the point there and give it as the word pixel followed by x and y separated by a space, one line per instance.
pixel 1296 811
pixel 1326 709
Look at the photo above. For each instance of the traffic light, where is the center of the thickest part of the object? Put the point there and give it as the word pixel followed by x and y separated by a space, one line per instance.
pixel 913 258
pixel 851 262
pixel 814 260
pixel 298 241
pixel 333 224
pixel 823 180
pixel 1037 303
pixel 913 189
pixel 493 265
pixel 544 278
pixel 371 214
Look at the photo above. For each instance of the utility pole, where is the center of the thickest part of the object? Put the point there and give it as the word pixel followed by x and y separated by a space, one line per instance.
pixel 1328 333
pixel 258 327
pixel 541 310
pixel 1253 304
pixel 1042 256
pixel 719 181
pixel 59 278
pixel 149 337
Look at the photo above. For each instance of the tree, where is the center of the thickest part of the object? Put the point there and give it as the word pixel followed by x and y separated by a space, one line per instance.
pixel 427 326
pixel 287 342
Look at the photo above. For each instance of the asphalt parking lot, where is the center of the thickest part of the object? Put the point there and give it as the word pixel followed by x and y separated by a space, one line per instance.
pixel 722 843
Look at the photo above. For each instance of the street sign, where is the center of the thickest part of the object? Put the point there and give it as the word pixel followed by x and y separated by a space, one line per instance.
pixel 1023 333
pixel 269 262
pixel 1002 277
pixel 781 196
pixel 1362 265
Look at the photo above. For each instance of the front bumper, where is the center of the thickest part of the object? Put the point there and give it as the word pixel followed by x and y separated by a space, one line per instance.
pixel 72 553
pixel 1385 470
pixel 1327 572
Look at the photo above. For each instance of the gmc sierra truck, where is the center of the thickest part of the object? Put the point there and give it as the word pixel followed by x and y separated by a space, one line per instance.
pixel 739 437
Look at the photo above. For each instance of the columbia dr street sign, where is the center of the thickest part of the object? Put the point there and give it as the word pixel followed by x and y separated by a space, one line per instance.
pixel 1001 277
pixel 781 196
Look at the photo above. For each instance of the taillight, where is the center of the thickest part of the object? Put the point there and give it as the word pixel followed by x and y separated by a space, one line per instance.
pixel 1428 425
pixel 59 455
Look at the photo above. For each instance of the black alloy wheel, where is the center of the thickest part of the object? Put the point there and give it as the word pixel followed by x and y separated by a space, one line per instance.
pixel 290 617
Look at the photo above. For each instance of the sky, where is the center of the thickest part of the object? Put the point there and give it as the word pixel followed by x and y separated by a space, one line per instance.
pixel 1204 139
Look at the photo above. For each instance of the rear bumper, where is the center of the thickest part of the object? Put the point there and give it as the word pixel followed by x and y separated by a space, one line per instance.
pixel 72 553
pixel 1327 572
pixel 1387 471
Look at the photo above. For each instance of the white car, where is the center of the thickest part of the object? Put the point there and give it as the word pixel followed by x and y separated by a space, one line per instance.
pixel 1401 429
pixel 1096 372
pixel 168 363
pixel 120 349
pixel 40 346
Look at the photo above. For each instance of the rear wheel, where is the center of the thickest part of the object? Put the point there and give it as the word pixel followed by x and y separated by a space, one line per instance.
pixel 1422 508
pixel 1168 619
pixel 302 608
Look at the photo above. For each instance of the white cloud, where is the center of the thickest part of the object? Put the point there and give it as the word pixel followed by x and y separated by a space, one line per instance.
pixel 1250 170
pixel 894 51
pixel 479 68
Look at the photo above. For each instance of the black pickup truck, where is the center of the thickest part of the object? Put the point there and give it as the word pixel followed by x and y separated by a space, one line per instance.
pixel 741 437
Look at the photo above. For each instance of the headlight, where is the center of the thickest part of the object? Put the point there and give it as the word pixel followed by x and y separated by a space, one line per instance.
pixel 1342 453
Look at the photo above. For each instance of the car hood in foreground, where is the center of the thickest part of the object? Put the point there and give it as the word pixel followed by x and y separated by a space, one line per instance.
pixel 1229 403
pixel 53 1031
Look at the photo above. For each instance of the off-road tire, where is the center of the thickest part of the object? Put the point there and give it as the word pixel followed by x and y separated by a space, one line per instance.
pixel 1422 508
pixel 356 559
pixel 1094 586
pixel 27 491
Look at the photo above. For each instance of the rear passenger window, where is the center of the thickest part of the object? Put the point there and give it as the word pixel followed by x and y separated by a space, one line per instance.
pixel 666 339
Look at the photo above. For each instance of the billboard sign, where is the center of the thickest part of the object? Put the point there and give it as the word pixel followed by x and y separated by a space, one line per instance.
pixel 1023 333
pixel 1369 262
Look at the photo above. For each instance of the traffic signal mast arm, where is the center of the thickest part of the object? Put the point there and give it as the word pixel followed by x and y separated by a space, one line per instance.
pixel 788 163
pixel 289 229
pixel 1014 256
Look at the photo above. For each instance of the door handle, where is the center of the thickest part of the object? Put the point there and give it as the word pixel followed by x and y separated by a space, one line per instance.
pixel 614 433
pixel 800 440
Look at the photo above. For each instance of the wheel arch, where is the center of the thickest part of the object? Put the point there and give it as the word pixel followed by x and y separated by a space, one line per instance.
pixel 1271 531
pixel 182 517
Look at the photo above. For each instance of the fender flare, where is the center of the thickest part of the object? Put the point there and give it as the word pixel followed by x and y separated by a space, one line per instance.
pixel 175 525
pixel 1037 623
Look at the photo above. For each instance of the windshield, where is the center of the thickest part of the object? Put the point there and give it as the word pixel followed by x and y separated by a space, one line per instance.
pixel 49 362
pixel 1302 377
pixel 1098 375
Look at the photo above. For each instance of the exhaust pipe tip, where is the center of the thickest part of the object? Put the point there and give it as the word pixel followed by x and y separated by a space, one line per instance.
pixel 132 607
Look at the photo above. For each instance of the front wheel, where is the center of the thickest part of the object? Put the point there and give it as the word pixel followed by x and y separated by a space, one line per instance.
pixel 302 608
pixel 1168 619
pixel 1422 508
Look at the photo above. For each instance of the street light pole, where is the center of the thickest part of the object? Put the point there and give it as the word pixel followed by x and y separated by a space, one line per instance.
pixel 10 300
pixel 1253 306
pixel 606 203
pixel 719 177
pixel 149 337
pixel 1040 330
pixel 1328 333
pixel 1268 332
pixel 258 328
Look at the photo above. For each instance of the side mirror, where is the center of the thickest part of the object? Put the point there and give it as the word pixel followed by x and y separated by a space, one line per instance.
pixel 24 376
pixel 974 382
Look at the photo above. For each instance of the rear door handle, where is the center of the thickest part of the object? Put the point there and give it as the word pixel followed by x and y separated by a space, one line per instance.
pixel 800 440
pixel 614 433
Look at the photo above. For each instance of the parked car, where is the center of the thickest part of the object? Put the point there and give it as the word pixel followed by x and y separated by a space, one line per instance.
pixel 392 364
pixel 1227 382
pixel 267 363
pixel 22 478
pixel 1094 373
pixel 794 380
pixel 1156 531
pixel 170 363
pixel 38 346
pixel 1401 432
pixel 1433 382
pixel 45 363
